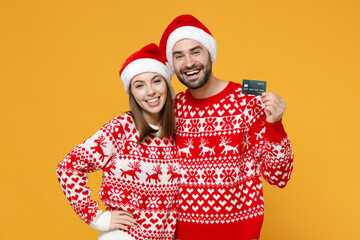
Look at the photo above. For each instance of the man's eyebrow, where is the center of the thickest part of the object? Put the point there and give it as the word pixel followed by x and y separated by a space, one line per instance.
pixel 196 48
pixel 191 49
pixel 177 52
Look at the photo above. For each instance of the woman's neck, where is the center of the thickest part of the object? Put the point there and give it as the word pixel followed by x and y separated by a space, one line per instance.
pixel 153 119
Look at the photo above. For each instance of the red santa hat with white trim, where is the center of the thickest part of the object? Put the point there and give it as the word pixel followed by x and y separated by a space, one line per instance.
pixel 147 59
pixel 186 27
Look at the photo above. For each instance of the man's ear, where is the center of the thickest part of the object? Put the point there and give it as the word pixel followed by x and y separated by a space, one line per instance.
pixel 211 59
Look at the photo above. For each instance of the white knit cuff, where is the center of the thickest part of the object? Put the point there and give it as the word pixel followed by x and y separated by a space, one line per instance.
pixel 102 221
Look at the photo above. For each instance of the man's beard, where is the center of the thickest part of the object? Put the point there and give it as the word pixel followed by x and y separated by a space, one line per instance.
pixel 200 82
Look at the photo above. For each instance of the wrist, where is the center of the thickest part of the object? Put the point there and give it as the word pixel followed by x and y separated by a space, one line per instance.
pixel 275 132
pixel 102 221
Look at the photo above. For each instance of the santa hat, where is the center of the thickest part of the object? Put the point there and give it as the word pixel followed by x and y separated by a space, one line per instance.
pixel 187 27
pixel 147 59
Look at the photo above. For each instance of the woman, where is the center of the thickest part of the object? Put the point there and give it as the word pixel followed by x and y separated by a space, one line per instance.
pixel 137 154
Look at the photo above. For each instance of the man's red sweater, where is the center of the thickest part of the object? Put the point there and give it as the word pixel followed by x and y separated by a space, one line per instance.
pixel 224 146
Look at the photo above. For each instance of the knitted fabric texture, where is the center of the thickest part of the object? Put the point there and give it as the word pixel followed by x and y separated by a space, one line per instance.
pixel 224 146
pixel 140 178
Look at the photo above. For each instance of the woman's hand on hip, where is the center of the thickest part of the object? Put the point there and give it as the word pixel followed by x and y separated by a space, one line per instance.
pixel 122 220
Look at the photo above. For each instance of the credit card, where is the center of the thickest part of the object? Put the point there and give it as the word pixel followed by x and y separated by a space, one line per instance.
pixel 253 87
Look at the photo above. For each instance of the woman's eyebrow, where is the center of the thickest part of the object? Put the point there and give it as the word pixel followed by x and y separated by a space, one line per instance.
pixel 157 75
pixel 138 80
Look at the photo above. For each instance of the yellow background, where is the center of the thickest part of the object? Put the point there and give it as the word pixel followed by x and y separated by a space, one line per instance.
pixel 59 63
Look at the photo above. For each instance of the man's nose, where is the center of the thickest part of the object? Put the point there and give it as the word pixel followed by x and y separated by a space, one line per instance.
pixel 189 61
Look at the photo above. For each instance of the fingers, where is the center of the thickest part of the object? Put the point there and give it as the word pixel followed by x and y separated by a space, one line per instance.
pixel 118 226
pixel 126 220
pixel 274 106
pixel 121 212
pixel 270 109
pixel 272 99
pixel 123 217
pixel 122 220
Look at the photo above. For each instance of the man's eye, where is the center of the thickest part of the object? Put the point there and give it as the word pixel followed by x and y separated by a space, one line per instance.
pixel 178 57
pixel 196 53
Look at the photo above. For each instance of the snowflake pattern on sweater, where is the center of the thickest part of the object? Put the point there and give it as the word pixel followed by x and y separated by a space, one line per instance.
pixel 224 145
pixel 141 178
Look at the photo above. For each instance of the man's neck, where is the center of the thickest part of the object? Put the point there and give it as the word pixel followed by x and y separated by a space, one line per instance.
pixel 211 88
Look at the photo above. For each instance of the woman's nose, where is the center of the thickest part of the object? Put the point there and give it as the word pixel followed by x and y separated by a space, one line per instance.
pixel 150 91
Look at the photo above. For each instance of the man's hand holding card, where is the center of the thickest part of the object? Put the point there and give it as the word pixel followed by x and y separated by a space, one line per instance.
pixel 274 104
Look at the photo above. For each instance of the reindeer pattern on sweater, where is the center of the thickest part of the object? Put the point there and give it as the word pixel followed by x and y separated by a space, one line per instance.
pixel 141 178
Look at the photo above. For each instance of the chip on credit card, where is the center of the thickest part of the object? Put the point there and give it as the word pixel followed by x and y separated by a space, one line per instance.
pixel 253 87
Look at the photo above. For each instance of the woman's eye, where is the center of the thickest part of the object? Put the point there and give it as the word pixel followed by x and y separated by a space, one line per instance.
pixel 138 86
pixel 157 80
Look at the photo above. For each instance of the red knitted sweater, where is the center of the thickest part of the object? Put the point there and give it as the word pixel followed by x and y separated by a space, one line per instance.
pixel 140 178
pixel 224 146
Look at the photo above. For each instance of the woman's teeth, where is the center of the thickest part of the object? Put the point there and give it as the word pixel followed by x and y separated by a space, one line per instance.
pixel 153 100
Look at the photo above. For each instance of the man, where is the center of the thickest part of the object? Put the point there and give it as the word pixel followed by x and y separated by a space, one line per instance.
pixel 225 140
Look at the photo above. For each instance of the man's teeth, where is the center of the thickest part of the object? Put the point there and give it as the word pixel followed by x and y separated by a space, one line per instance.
pixel 192 72
pixel 153 100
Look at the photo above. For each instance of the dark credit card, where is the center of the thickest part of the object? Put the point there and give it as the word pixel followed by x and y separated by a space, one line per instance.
pixel 253 87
